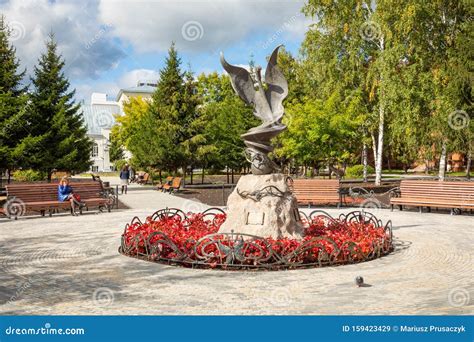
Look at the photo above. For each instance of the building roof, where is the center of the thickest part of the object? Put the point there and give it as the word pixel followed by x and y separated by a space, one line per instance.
pixel 99 116
pixel 145 89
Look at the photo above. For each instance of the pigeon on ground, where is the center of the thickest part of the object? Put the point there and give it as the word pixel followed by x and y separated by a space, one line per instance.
pixel 359 281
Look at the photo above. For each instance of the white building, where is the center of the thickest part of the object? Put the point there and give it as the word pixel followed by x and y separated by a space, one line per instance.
pixel 99 117
pixel 145 89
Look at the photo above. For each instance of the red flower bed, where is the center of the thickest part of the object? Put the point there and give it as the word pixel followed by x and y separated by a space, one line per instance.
pixel 195 240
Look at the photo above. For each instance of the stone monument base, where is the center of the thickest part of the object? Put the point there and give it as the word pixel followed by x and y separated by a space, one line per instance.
pixel 263 205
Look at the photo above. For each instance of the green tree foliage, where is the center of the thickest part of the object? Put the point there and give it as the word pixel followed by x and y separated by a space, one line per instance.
pixel 168 114
pixel 133 131
pixel 409 61
pixel 161 134
pixel 321 131
pixel 116 150
pixel 13 104
pixel 57 135
pixel 223 117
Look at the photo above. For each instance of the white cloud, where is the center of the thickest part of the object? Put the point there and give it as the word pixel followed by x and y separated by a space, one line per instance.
pixel 85 90
pixel 126 80
pixel 131 78
pixel 91 33
pixel 83 40
pixel 199 26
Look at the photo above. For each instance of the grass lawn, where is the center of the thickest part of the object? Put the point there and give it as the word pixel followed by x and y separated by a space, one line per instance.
pixel 101 174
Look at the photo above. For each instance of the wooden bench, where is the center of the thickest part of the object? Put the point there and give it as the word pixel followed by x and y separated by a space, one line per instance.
pixel 435 194
pixel 143 178
pixel 168 180
pixel 174 186
pixel 42 197
pixel 316 191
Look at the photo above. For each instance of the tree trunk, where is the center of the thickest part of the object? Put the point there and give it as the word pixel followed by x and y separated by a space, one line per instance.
pixel 364 162
pixel 191 175
pixel 184 177
pixel 227 173
pixel 232 174
pixel 468 166
pixel 159 174
pixel 442 162
pixel 202 176
pixel 378 163
pixel 374 147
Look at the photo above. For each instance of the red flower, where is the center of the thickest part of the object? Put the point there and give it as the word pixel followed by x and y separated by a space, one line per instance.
pixel 172 238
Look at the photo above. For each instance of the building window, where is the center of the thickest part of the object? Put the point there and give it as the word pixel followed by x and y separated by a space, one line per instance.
pixel 95 168
pixel 95 150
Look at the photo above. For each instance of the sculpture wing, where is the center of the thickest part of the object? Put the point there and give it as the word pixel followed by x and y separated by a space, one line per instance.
pixel 277 85
pixel 241 81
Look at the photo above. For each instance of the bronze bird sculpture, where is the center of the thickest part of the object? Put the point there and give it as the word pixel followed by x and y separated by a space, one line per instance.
pixel 266 96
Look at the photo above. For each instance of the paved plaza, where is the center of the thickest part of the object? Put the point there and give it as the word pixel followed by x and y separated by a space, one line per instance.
pixel 70 265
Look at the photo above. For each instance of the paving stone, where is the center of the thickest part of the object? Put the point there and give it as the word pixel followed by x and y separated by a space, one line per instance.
pixel 70 265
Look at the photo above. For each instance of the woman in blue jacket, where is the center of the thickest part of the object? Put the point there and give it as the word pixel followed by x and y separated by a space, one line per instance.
pixel 124 177
pixel 65 193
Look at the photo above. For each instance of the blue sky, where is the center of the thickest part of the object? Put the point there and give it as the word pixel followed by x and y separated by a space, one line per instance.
pixel 111 44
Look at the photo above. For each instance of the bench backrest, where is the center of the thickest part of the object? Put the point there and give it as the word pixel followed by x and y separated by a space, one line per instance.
pixel 327 188
pixel 176 182
pixel 37 192
pixel 449 190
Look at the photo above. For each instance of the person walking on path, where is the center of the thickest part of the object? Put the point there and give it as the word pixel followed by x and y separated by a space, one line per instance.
pixel 124 177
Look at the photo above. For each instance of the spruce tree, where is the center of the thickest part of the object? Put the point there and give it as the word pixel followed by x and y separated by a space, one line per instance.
pixel 57 138
pixel 12 99
pixel 167 114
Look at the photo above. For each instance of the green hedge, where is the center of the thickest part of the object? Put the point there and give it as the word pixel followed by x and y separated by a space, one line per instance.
pixel 357 171
pixel 29 175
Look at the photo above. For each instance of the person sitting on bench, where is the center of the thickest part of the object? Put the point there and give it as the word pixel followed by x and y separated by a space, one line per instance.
pixel 65 193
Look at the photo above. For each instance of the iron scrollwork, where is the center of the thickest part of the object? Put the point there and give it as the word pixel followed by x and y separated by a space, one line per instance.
pixel 244 251
pixel 257 195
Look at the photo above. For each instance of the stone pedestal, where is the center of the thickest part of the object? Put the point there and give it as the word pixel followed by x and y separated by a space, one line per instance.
pixel 263 205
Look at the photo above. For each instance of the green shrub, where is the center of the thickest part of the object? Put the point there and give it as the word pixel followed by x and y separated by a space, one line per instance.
pixel 357 171
pixel 120 163
pixel 29 175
